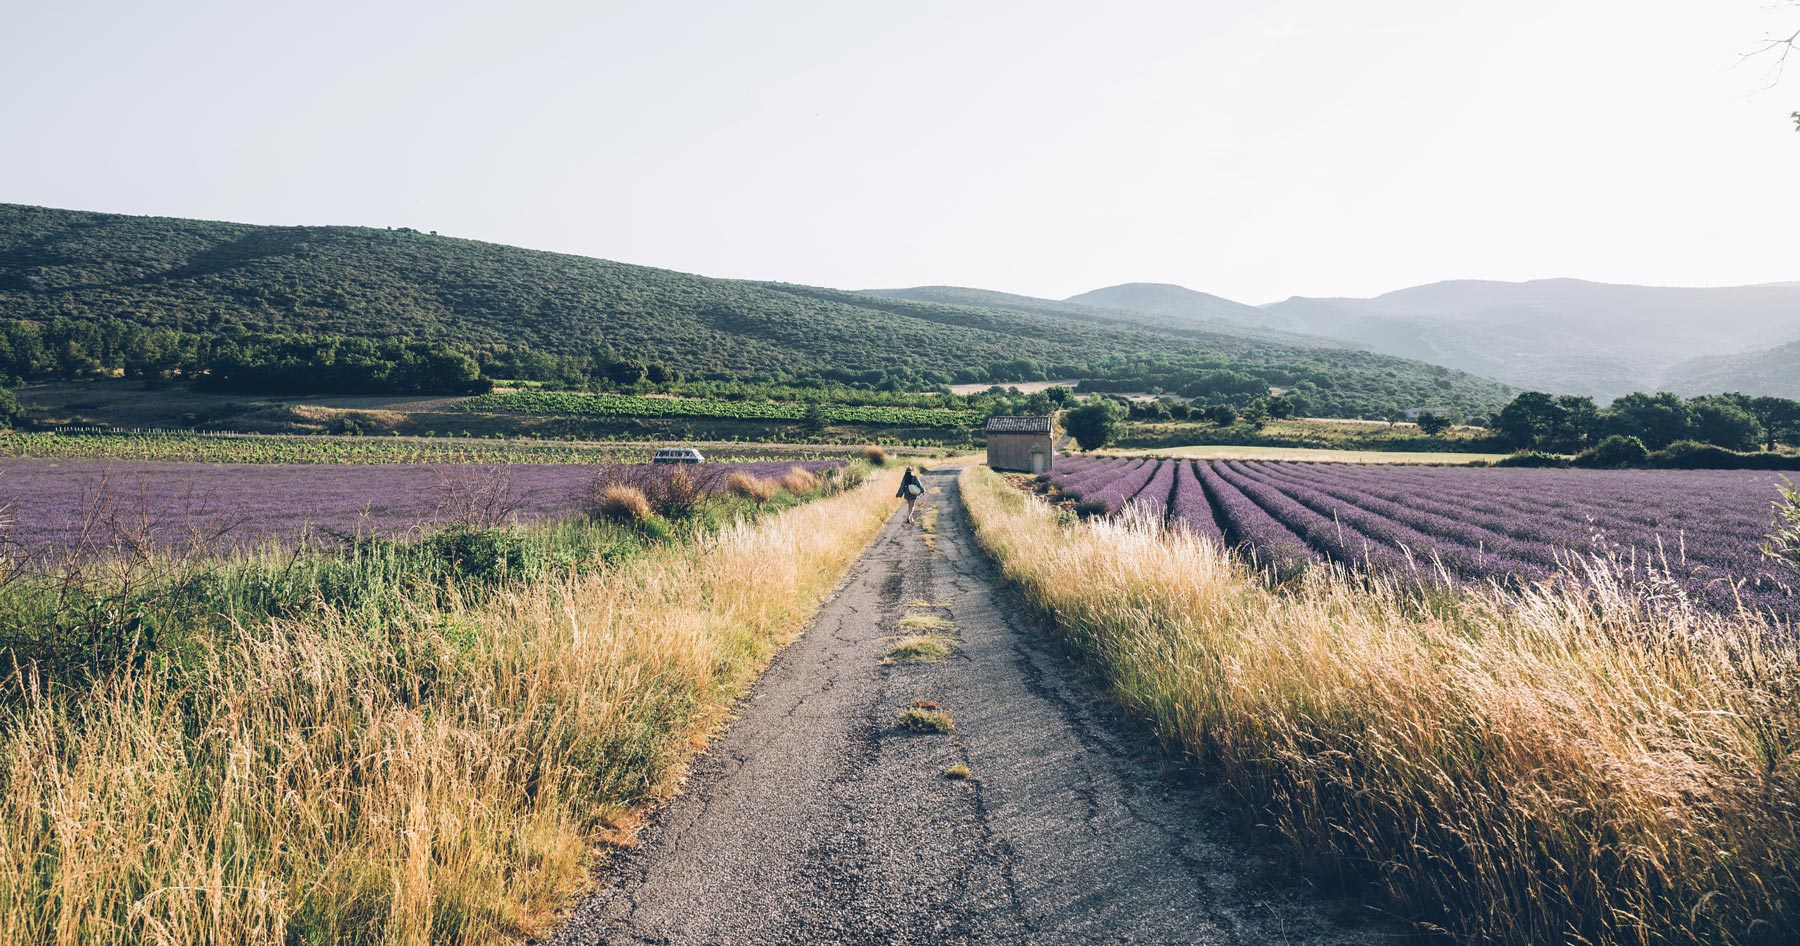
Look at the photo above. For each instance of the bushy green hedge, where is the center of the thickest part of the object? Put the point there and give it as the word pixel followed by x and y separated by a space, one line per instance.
pixel 1681 455
pixel 1693 455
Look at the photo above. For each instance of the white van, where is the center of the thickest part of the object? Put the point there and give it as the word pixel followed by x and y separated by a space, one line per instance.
pixel 678 455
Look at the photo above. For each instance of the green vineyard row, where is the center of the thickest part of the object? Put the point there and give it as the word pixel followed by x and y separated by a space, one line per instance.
pixel 628 405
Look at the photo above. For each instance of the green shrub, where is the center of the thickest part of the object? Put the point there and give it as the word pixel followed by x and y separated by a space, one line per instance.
pixel 1694 455
pixel 487 556
pixel 1616 450
pixel 1533 458
pixel 1096 423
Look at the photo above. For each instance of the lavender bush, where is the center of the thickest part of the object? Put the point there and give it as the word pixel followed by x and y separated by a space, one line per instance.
pixel 1190 508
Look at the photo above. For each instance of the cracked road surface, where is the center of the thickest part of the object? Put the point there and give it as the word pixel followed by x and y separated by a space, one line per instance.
pixel 814 818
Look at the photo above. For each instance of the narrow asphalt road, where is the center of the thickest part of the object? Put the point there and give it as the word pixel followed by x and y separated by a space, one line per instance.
pixel 815 818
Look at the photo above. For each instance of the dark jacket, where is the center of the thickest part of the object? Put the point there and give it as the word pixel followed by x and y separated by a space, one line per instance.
pixel 908 480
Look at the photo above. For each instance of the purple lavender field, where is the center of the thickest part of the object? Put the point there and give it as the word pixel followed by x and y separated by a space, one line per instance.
pixel 1699 530
pixel 69 506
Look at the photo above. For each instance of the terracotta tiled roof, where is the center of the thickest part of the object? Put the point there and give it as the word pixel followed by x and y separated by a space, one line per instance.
pixel 1018 425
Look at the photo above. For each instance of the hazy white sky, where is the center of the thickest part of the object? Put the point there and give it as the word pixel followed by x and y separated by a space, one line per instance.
pixel 1254 150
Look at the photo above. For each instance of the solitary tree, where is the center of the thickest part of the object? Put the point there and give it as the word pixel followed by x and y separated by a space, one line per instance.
pixel 1095 423
pixel 1433 424
pixel 1529 418
pixel 1779 417
pixel 10 411
pixel 1723 421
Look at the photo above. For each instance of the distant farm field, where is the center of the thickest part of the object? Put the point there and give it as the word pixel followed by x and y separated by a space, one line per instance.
pixel 1309 455
pixel 62 507
pixel 850 418
pixel 1024 387
pixel 276 448
pixel 1332 435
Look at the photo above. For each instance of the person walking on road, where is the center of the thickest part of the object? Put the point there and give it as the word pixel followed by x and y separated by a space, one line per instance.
pixel 910 490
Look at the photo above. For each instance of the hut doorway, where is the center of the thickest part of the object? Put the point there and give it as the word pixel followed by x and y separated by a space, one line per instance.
pixel 1037 461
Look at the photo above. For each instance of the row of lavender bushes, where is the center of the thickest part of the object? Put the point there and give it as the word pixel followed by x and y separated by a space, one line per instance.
pixel 1689 534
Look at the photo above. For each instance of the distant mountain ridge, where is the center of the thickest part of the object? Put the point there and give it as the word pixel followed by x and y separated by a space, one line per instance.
pixel 1565 335
pixel 1205 316
pixel 1773 371
pixel 1560 335
pixel 1182 303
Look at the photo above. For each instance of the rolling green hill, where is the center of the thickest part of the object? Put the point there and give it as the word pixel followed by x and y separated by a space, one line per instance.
pixel 202 276
pixel 1249 323
pixel 1772 371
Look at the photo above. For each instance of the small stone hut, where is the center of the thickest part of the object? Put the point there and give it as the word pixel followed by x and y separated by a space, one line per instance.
pixel 1021 444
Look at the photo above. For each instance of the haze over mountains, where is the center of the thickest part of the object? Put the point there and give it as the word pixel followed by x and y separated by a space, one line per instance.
pixel 1561 335
pixel 1568 334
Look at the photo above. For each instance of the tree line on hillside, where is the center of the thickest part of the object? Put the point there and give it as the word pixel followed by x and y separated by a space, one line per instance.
pixel 1309 381
pixel 241 361
pixel 1313 382
pixel 238 362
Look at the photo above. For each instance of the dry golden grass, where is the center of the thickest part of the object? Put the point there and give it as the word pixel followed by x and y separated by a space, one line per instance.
pixel 799 479
pixel 620 503
pixel 1543 768
pixel 750 487
pixel 406 778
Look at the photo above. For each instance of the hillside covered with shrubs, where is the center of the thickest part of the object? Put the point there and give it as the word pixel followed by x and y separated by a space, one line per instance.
pixel 534 315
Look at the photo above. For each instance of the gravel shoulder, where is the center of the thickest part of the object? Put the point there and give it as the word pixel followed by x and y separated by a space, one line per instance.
pixel 816 818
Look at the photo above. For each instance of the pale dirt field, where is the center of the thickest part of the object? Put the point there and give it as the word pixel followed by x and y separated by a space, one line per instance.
pixel 1025 387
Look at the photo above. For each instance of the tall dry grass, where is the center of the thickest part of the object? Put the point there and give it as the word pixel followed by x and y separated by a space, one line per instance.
pixel 1553 767
pixel 425 777
pixel 753 488
pixel 798 479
